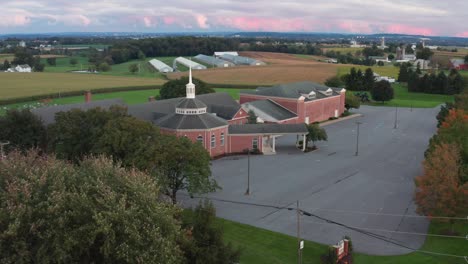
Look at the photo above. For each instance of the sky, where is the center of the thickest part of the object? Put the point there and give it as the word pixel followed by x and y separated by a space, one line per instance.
pixel 421 17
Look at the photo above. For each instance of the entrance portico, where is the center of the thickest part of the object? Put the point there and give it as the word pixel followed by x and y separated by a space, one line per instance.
pixel 269 133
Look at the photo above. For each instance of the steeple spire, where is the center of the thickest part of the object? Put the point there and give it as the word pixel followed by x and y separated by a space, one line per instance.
pixel 190 87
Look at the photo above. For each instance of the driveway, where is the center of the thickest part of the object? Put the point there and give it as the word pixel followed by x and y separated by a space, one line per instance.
pixel 372 191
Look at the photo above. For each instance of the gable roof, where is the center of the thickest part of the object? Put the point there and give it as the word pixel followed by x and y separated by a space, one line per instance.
pixel 269 110
pixel 47 114
pixel 294 90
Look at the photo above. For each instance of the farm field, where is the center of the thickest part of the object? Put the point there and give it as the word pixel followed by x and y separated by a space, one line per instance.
pixel 14 85
pixel 264 246
pixel 130 97
pixel 342 50
pixel 403 98
pixel 10 57
pixel 388 70
pixel 281 68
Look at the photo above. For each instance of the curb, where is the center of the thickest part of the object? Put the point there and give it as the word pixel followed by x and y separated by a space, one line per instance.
pixel 339 120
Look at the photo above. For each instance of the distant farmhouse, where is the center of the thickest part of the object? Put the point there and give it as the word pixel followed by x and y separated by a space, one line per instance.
pixel 20 68
pixel 219 123
pixel 401 55
pixel 458 64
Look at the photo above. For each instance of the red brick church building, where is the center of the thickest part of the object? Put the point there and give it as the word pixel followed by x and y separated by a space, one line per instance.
pixel 219 123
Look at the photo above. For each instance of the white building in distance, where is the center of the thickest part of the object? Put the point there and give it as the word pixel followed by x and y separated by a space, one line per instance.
pixel 160 66
pixel 189 63
pixel 221 53
pixel 20 68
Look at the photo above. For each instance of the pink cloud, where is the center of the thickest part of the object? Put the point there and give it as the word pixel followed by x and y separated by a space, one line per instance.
pixel 148 21
pixel 265 24
pixel 168 20
pixel 405 29
pixel 15 21
pixel 462 34
pixel 201 21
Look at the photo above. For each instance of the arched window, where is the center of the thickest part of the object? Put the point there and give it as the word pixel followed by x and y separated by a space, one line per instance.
pixel 222 139
pixel 213 141
pixel 200 139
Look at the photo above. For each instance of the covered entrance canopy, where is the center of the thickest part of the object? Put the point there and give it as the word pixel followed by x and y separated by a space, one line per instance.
pixel 269 132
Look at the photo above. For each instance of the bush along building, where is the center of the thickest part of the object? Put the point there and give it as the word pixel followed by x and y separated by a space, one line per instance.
pixel 220 123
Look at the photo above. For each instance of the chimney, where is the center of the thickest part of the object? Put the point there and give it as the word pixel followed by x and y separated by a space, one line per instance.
pixel 87 96
pixel 151 99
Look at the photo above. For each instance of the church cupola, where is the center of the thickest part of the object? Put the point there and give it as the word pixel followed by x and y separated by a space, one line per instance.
pixel 190 87
pixel 190 105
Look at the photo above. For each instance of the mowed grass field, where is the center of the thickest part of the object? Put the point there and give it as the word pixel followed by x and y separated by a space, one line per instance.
pixel 260 246
pixel 342 50
pixel 388 70
pixel 129 97
pixel 404 98
pixel 14 85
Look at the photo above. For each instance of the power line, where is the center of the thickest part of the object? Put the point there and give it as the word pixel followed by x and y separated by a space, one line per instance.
pixel 397 232
pixel 376 236
pixel 387 214
pixel 334 210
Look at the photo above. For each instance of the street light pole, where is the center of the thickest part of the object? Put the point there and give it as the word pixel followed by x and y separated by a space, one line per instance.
pixel 396 117
pixel 357 138
pixel 247 192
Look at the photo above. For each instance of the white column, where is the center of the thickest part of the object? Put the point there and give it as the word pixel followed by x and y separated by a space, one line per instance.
pixel 304 143
pixel 274 144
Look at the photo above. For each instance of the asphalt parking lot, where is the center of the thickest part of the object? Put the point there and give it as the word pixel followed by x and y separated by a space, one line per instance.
pixel 372 191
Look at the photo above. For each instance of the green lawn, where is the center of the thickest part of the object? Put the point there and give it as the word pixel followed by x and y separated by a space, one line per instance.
pixel 130 97
pixel 264 246
pixel 403 98
pixel 388 70
pixel 63 64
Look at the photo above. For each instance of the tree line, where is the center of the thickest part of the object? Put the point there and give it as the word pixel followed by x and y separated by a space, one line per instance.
pixel 95 186
pixel 442 189
pixel 24 56
pixel 432 83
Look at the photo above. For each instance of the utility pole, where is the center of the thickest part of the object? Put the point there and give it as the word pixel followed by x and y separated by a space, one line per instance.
pixel 299 244
pixel 357 138
pixel 396 117
pixel 2 153
pixel 247 192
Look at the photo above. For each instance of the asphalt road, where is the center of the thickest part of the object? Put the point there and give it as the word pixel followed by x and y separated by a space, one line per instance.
pixel 372 191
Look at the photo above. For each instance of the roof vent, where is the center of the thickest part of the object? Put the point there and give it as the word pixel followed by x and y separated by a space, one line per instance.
pixel 312 95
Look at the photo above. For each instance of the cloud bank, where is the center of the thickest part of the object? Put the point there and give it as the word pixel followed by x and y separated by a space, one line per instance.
pixel 424 17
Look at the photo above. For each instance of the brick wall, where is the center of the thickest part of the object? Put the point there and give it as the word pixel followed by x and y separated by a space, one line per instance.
pixel 237 143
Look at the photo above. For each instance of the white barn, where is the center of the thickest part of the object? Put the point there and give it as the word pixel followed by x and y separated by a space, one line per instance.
pixel 221 53
pixel 190 64
pixel 160 66
pixel 209 60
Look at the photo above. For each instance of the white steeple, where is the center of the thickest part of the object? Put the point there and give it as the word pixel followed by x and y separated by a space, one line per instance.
pixel 190 87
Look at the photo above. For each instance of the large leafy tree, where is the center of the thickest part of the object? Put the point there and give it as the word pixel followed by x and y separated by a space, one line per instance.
pixel 134 142
pixel 316 133
pixel 382 91
pixel 23 129
pixel 424 53
pixel 55 212
pixel 176 88
pixel 206 237
pixel 440 190
pixel 184 166
pixel 252 119
pixel 74 133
